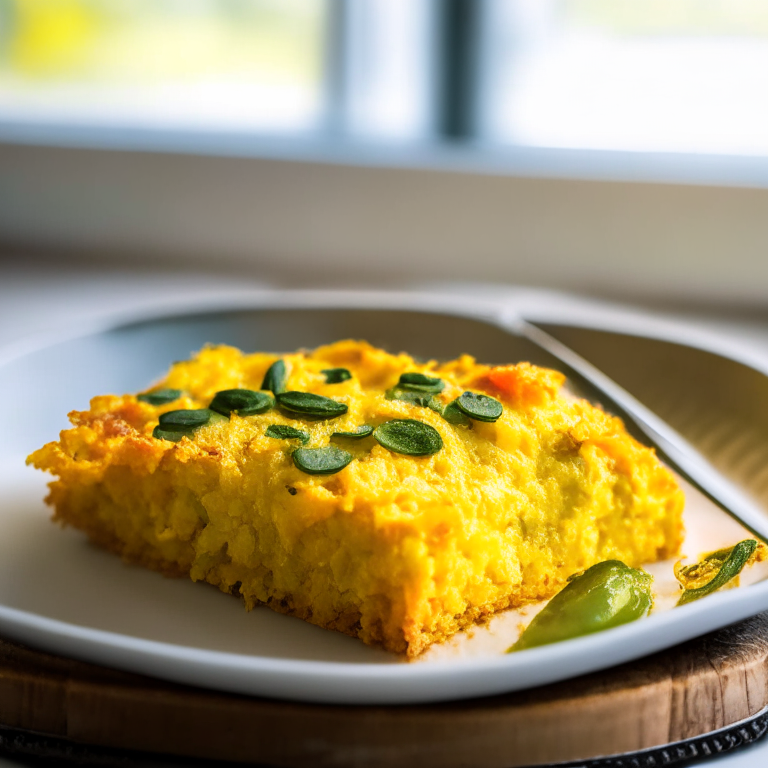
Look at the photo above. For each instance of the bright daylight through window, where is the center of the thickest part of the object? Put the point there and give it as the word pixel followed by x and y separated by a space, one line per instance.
pixel 657 75
pixel 245 65
pixel 686 76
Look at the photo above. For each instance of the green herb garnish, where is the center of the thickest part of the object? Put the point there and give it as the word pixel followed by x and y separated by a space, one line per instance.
pixel 479 407
pixel 176 424
pixel 185 419
pixel 160 396
pixel 243 402
pixel 284 432
pixel 726 564
pixel 321 461
pixel 408 436
pixel 162 434
pixel 359 433
pixel 336 375
pixel 307 404
pixel 454 415
pixel 275 377
pixel 419 382
pixel 422 399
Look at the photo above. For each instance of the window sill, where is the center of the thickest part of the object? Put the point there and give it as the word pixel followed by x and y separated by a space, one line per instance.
pixel 325 212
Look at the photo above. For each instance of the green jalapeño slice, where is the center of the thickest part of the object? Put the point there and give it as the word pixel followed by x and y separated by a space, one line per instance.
pixel 606 595
pixel 714 571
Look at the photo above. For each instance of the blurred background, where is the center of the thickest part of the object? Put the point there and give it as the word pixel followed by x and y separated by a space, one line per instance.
pixel 613 147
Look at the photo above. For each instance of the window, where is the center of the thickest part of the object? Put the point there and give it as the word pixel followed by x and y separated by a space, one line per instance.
pixel 245 65
pixel 685 76
pixel 529 141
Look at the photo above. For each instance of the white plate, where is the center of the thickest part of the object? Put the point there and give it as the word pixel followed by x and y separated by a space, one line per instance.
pixel 60 594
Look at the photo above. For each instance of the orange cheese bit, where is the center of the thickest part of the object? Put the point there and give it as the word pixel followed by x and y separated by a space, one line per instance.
pixel 525 385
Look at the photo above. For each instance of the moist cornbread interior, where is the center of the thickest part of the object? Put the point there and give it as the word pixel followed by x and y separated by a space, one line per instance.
pixel 400 551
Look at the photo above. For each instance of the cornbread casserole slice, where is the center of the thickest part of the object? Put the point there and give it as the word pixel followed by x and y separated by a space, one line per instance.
pixel 481 487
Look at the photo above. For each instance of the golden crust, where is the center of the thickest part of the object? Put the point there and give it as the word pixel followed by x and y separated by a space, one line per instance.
pixel 400 551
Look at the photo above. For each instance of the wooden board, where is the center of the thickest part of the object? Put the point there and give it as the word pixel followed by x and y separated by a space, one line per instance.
pixel 694 689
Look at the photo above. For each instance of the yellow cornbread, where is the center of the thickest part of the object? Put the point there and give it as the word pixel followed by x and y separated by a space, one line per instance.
pixel 400 551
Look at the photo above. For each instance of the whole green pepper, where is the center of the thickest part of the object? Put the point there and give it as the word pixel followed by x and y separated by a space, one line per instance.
pixel 606 595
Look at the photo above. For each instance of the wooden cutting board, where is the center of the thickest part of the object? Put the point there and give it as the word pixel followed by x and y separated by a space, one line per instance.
pixel 77 710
